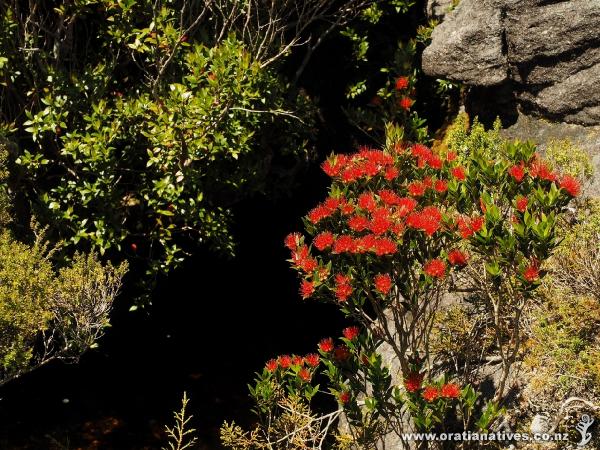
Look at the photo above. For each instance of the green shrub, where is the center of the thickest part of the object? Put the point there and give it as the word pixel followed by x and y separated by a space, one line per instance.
pixel 138 129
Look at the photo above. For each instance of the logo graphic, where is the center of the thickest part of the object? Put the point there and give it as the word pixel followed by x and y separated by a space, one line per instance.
pixel 583 425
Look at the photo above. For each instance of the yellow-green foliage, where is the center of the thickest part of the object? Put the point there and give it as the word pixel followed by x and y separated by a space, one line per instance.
pixel 564 348
pixel 26 285
pixel 464 138
pixel 69 308
pixel 568 158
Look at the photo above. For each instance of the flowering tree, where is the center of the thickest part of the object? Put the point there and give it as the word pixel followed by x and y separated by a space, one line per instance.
pixel 400 228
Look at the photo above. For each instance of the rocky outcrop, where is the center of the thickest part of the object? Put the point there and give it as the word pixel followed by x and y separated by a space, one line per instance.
pixel 544 54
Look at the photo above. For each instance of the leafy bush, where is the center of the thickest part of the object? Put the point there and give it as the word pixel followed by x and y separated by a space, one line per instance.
pixel 137 130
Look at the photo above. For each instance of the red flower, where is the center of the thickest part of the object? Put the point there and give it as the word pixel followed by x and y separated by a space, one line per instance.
pixel 538 169
pixel 351 333
pixel 391 173
pixel 271 365
pixel 324 240
pixel 457 258
pixel 366 200
pixel 406 103
pixel 431 393
pixel 380 224
pixel 341 353
pixel 343 289
pixel 307 288
pixel 389 197
pixel 285 361
pixel 304 374
pixel 302 259
pixel 326 345
pixel 416 188
pixel 319 213
pixel 383 283
pixel 522 203
pixel 532 272
pixel 450 156
pixel 344 243
pixel 477 224
pixel 292 241
pixel 459 173
pixel 517 172
pixel 450 390
pixel 344 397
pixel 421 151
pixel 333 166
pixel 312 359
pixel 435 162
pixel 428 220
pixel 401 83
pixel 571 185
pixel 441 185
pixel 435 268
pixel 384 246
pixel 297 360
pixel 413 382
pixel 358 223
pixel 406 205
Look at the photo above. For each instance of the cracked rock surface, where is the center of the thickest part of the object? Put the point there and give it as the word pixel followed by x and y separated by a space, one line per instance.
pixel 547 51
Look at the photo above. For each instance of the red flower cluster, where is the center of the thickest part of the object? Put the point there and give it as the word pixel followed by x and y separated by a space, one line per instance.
pixel 435 268
pixel 326 345
pixel 304 374
pixel 292 241
pixel 457 258
pixel 344 397
pixel 425 155
pixel 429 220
pixel 383 283
pixel 571 185
pixel 517 172
pixel 459 173
pixel 406 103
pixel 302 259
pixel 324 240
pixel 522 203
pixel 325 209
pixel 401 83
pixel 416 188
pixel 532 272
pixel 430 393
pixel 413 382
pixel 538 168
pixel 351 333
pixel 365 163
pixel 307 288
pixel 450 390
pixel 441 186
pixel 343 289
pixel 468 226
pixel 312 360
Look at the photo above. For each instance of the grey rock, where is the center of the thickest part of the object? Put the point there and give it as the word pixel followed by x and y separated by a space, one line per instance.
pixel 467 46
pixel 546 51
